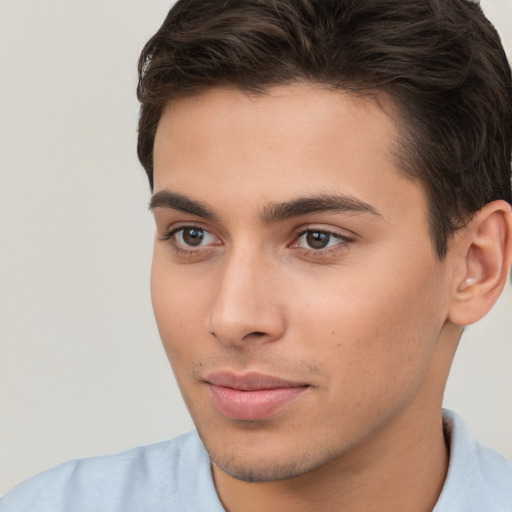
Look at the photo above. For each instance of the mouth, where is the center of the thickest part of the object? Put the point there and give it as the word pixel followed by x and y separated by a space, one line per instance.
pixel 252 396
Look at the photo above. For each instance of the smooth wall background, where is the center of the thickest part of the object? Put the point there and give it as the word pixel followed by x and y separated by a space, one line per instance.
pixel 81 368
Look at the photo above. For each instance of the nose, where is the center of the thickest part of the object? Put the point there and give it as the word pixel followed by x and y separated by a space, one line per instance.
pixel 246 308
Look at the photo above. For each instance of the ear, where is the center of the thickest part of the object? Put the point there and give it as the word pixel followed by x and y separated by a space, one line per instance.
pixel 485 251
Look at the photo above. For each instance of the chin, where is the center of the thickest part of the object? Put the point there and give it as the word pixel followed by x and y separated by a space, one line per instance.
pixel 267 466
pixel 264 471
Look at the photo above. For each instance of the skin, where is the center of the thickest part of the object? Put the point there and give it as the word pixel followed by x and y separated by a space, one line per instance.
pixel 364 321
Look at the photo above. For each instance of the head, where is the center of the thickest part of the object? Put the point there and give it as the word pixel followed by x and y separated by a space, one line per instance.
pixel 330 178
pixel 440 65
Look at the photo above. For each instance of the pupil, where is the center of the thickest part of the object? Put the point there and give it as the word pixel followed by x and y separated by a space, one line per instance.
pixel 193 236
pixel 317 239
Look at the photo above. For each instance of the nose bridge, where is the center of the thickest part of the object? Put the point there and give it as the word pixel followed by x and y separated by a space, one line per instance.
pixel 245 304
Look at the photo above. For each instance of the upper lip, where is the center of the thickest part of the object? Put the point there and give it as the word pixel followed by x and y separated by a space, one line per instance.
pixel 252 381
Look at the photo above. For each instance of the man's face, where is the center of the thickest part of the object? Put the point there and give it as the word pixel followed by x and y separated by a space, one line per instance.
pixel 294 282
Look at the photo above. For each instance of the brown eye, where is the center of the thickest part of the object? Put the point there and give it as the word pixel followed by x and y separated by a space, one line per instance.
pixel 192 236
pixel 321 241
pixel 318 239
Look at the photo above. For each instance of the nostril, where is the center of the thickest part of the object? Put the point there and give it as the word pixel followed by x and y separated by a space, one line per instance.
pixel 251 335
pixel 254 336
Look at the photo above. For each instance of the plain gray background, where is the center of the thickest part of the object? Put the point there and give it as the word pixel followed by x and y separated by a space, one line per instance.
pixel 81 368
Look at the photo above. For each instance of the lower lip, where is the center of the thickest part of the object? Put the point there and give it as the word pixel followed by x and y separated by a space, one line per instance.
pixel 253 405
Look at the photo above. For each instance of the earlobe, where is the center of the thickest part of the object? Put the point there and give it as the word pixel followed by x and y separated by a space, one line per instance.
pixel 486 248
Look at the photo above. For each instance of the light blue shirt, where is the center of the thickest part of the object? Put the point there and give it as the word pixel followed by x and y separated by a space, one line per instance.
pixel 176 476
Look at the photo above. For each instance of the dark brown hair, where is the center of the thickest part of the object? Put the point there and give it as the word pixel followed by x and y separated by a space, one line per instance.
pixel 441 62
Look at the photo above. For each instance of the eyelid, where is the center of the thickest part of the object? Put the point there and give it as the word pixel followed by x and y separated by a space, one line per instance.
pixel 173 230
pixel 183 250
pixel 343 241
pixel 334 231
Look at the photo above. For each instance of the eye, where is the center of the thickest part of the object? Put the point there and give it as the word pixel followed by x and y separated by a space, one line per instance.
pixel 191 237
pixel 315 239
pixel 318 240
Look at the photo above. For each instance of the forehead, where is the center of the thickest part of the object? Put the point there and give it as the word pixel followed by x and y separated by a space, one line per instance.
pixel 287 114
pixel 292 141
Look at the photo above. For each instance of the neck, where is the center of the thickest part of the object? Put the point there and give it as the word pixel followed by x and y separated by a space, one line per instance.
pixel 402 468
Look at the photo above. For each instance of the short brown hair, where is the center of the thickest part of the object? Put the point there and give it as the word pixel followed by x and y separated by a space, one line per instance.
pixel 441 62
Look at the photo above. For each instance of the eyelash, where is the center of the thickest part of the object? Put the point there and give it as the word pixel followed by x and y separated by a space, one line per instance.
pixel 178 249
pixel 343 242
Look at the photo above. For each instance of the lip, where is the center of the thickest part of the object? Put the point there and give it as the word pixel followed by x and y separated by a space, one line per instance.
pixel 252 396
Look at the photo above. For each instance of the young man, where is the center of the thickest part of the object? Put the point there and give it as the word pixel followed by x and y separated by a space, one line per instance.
pixel 331 190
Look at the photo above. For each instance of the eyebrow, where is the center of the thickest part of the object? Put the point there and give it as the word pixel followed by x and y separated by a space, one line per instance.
pixel 173 201
pixel 316 204
pixel 273 212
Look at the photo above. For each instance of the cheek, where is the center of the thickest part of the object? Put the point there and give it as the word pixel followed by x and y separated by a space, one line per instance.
pixel 379 326
pixel 376 356
pixel 178 310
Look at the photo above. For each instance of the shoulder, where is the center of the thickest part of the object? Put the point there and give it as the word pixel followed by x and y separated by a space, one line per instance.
pixel 140 479
pixel 478 478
